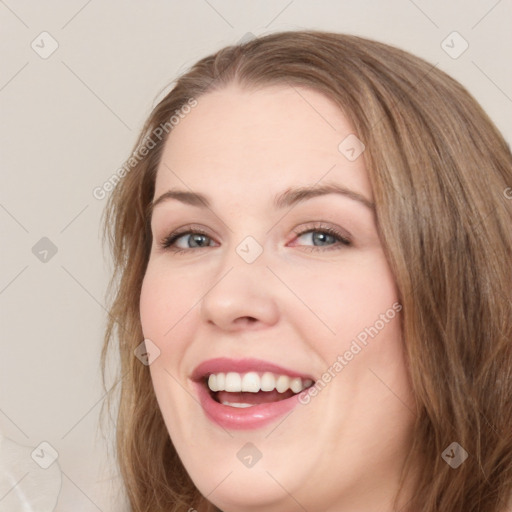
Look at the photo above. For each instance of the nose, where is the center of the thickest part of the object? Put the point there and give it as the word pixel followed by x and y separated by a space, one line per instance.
pixel 241 296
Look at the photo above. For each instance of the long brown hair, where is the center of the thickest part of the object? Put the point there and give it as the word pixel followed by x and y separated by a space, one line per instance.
pixel 440 172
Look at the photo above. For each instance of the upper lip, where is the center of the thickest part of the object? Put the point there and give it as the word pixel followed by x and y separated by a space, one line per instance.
pixel 224 365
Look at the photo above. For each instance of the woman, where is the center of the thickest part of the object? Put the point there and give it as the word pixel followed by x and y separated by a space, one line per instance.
pixel 313 288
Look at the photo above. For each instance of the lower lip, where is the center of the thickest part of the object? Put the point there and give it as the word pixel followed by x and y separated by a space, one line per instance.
pixel 243 417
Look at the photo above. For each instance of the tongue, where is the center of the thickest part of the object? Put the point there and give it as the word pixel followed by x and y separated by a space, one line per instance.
pixel 261 397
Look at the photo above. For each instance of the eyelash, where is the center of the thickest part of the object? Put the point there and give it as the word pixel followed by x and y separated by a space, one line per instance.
pixel 167 242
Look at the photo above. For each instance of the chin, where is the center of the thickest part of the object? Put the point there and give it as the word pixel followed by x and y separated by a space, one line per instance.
pixel 248 491
pixel 225 481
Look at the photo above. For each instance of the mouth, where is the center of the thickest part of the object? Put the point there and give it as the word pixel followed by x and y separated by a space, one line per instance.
pixel 247 393
pixel 250 389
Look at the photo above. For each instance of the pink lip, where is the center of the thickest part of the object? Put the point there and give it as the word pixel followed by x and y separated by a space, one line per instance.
pixel 247 418
pixel 241 418
pixel 223 364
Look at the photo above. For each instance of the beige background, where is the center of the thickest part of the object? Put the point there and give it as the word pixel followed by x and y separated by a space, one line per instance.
pixel 70 120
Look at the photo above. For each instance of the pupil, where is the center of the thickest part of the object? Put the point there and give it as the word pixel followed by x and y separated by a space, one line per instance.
pixel 196 238
pixel 321 236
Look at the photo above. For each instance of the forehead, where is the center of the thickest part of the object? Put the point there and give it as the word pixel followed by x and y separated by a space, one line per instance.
pixel 271 138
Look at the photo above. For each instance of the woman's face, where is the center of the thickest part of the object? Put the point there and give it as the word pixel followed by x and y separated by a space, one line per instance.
pixel 266 286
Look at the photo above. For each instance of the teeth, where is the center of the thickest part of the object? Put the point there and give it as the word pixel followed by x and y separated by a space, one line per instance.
pixel 233 382
pixel 296 385
pixel 283 383
pixel 221 381
pixel 253 382
pixel 268 382
pixel 233 404
pixel 212 382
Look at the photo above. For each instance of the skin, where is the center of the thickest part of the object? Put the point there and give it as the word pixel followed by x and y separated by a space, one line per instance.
pixel 300 304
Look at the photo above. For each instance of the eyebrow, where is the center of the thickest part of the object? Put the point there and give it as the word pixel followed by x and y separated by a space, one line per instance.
pixel 289 197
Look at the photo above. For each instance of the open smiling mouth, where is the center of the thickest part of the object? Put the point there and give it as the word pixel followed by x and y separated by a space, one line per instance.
pixel 247 393
pixel 251 389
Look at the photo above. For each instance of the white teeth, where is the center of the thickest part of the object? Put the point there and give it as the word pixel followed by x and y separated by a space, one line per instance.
pixel 296 385
pixel 221 381
pixel 283 383
pixel 253 382
pixel 212 382
pixel 268 382
pixel 233 382
pixel 241 405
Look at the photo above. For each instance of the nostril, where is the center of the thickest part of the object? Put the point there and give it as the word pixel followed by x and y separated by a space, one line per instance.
pixel 246 320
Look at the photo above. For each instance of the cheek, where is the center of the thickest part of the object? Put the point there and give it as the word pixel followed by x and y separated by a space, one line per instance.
pixel 344 300
pixel 166 296
pixel 152 307
pixel 368 293
pixel 165 305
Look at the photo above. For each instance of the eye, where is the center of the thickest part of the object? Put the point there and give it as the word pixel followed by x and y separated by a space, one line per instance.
pixel 195 238
pixel 324 236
